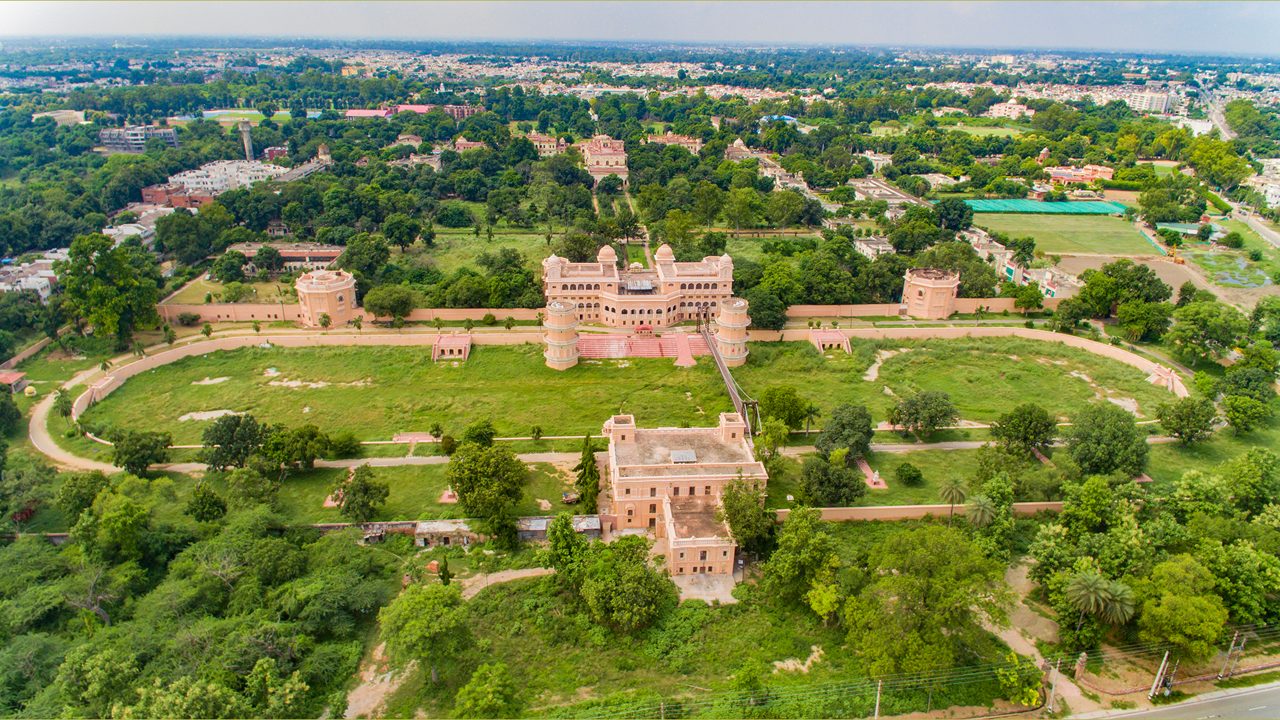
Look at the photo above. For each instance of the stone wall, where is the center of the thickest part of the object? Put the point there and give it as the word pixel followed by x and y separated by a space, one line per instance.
pixel 915 512
pixel 292 312
pixel 962 305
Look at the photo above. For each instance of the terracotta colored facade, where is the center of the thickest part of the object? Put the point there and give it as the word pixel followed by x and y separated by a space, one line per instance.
pixel 604 156
pixel 930 293
pixel 668 482
pixel 692 144
pixel 546 145
pixel 327 292
pixel 669 293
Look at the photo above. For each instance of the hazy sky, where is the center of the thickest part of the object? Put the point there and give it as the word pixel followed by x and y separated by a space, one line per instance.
pixel 1204 27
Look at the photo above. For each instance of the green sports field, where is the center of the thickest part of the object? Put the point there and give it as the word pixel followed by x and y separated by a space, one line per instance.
pixel 1071 234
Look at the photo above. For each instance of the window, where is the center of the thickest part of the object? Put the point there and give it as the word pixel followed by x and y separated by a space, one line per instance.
pixel 692 491
pixel 653 507
pixel 653 492
pixel 702 555
pixel 724 553
pixel 707 490
pixel 675 492
pixel 681 556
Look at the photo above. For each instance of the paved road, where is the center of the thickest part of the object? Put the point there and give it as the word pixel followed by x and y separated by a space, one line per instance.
pixel 1257 703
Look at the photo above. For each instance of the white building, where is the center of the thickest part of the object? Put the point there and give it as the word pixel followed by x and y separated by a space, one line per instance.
pixel 36 276
pixel 873 247
pixel 1150 102
pixel 218 177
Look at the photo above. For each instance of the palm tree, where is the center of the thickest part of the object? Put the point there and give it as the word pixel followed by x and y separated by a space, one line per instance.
pixel 1120 606
pixel 982 512
pixel 953 493
pixel 811 413
pixel 1089 593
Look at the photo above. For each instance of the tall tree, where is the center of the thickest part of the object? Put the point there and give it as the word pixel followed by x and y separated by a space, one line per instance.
pixel 114 288
pixel 427 624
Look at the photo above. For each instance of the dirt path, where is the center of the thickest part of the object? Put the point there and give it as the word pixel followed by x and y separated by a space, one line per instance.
pixel 38 431
pixel 377 681
pixel 1026 626
pixel 472 586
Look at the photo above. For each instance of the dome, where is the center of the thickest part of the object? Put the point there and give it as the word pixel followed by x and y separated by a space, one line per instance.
pixel 725 259
pixel 607 254
pixel 664 254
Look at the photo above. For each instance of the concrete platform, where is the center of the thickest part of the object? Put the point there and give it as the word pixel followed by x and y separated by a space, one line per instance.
pixel 706 587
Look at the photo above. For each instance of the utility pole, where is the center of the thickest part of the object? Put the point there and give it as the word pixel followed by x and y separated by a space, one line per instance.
pixel 1239 652
pixel 1159 673
pixel 1230 651
pixel 1053 687
pixel 879 685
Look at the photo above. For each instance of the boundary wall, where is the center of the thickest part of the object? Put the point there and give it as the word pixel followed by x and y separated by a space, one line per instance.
pixel 292 312
pixel 913 512
pixel 108 383
pixel 962 305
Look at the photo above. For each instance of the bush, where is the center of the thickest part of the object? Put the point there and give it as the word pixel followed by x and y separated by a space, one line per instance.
pixel 454 215
pixel 188 319
pixel 1255 255
pixel 909 475
pixel 344 445
pixel 448 444
pixel 489 319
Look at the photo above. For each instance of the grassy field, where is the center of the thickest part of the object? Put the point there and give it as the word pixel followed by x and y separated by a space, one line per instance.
pixel 984 377
pixel 1167 462
pixel 379 391
pixel 1069 234
pixel 454 249
pixel 269 292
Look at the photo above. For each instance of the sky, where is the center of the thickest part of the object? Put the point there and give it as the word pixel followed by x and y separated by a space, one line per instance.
pixel 1227 28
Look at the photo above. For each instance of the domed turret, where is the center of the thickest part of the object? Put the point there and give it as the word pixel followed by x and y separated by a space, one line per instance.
pixel 664 254
pixel 607 255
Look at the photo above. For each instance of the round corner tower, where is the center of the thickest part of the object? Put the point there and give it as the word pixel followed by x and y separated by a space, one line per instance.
pixel 731 331
pixel 560 334
pixel 326 292
pixel 930 293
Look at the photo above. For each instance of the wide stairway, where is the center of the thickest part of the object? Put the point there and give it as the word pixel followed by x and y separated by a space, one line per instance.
pixel 614 347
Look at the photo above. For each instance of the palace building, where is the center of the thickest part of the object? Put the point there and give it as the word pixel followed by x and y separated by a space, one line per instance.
pixel 669 481
pixel 604 156
pixel 669 293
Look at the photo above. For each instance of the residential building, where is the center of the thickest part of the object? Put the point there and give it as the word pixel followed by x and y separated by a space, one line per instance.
pixel 220 176
pixel 669 293
pixel 36 276
pixel 1150 102
pixel 295 255
pixel 463 145
pixel 275 152
pixel 692 144
pixel 604 156
pixel 669 482
pixel 873 247
pixel 133 138
pixel 175 196
pixel 547 145
pixel 1010 110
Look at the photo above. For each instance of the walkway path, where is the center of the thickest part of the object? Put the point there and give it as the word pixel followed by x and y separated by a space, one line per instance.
pixel 472 586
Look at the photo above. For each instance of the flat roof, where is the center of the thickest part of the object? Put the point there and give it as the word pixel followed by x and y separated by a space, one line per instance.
pixel 696 519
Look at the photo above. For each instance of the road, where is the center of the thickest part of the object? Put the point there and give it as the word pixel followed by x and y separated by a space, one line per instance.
pixel 1215 114
pixel 1258 703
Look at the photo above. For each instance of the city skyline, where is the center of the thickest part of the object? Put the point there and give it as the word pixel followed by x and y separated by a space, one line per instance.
pixel 1220 28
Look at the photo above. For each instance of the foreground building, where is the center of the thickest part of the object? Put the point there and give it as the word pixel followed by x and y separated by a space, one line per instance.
pixel 669 293
pixel 669 481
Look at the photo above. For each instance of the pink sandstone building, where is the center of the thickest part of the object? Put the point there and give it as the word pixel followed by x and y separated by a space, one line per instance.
pixel 669 481
pixel 930 293
pixel 692 144
pixel 546 145
pixel 326 292
pixel 604 156
pixel 669 293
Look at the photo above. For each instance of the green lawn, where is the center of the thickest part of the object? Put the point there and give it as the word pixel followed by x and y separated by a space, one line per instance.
pixel 980 375
pixel 1167 463
pixel 269 292
pixel 1068 234
pixel 454 249
pixel 377 392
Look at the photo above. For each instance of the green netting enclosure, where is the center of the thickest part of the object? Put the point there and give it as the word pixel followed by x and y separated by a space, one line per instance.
pixel 1081 207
